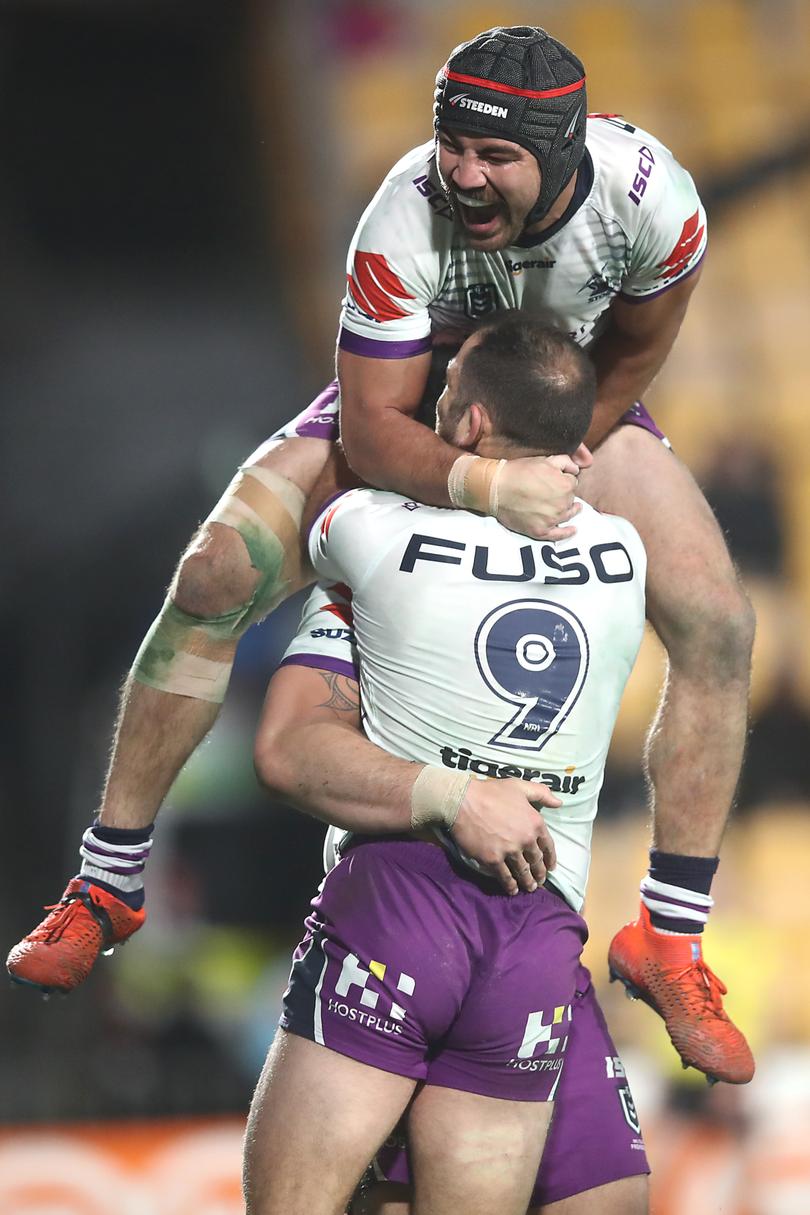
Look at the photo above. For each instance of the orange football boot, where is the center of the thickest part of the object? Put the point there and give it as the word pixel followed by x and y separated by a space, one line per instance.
pixel 61 951
pixel 668 973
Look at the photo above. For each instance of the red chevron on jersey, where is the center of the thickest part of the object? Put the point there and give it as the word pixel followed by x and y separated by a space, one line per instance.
pixel 327 520
pixel 685 248
pixel 343 611
pixel 373 284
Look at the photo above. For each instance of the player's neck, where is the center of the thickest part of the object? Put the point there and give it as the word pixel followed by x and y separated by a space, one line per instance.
pixel 494 448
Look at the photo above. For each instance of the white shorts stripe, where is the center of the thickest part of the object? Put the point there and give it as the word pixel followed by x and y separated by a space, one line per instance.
pixel 317 1021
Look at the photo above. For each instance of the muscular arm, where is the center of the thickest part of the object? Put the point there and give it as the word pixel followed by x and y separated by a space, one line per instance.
pixel 311 752
pixel 386 447
pixel 383 443
pixel 632 350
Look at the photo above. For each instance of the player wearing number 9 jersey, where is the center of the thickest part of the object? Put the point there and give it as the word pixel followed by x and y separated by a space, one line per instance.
pixel 481 651
pixel 481 654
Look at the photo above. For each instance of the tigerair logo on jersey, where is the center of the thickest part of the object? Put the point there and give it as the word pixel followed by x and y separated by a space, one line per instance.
pixel 463 101
pixel 463 760
pixel 370 1015
pixel 535 264
pixel 374 288
pixel 546 1034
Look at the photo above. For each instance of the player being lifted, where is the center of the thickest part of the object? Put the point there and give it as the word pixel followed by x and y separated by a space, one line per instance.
pixel 518 202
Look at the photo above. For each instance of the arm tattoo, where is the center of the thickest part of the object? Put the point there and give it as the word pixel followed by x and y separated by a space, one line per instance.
pixel 344 693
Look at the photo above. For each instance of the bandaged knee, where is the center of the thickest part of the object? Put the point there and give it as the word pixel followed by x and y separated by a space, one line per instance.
pixel 192 655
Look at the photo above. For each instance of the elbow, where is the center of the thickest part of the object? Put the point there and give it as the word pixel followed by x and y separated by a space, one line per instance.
pixel 359 452
pixel 271 765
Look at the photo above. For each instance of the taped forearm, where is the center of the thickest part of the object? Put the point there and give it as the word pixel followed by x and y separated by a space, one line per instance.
pixel 331 771
pixel 336 774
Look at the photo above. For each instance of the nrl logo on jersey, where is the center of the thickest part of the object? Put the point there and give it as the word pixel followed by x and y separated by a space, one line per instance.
pixel 463 101
pixel 480 299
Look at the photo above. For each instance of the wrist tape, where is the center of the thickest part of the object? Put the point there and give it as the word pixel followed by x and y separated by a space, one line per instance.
pixel 436 796
pixel 473 483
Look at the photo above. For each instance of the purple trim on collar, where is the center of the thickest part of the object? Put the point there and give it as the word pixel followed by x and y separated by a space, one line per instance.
pixel 642 299
pixel 372 348
pixel 321 663
pixel 322 511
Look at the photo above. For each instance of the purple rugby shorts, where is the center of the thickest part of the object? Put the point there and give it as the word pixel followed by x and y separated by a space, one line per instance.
pixel 413 966
pixel 321 419
pixel 594 1138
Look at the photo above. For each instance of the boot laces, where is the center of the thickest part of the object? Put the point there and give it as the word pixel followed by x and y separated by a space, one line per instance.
pixel 702 989
pixel 63 914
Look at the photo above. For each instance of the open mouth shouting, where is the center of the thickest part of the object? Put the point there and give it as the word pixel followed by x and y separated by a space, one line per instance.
pixel 479 216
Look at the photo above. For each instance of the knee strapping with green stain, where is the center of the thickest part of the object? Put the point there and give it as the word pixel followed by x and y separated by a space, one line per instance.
pixel 193 655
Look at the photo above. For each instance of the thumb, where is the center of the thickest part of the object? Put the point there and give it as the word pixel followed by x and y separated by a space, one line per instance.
pixel 541 795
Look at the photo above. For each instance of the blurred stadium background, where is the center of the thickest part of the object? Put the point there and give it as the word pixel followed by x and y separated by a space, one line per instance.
pixel 179 186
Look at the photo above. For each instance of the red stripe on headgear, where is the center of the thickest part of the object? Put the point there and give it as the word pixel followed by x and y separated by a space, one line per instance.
pixel 507 88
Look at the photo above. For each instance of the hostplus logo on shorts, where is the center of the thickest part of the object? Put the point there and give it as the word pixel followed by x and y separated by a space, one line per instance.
pixel 354 974
pixel 546 1035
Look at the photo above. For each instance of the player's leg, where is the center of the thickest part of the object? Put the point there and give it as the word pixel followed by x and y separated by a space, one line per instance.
pixel 316 1120
pixel 594 1158
pixel 702 615
pixel 705 621
pixel 244 560
pixel 474 1154
pixel 491 1083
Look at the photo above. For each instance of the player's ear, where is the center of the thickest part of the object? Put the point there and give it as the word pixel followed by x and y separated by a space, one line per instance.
pixel 473 426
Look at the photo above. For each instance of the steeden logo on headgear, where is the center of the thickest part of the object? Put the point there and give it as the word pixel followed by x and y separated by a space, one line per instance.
pixel 465 102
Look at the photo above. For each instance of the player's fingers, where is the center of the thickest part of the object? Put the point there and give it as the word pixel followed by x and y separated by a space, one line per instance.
pixel 522 871
pixel 500 871
pixel 557 533
pixel 536 861
pixel 545 841
pixel 565 464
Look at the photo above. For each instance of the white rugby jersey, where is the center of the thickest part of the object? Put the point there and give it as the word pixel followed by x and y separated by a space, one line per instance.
pixel 635 227
pixel 482 650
